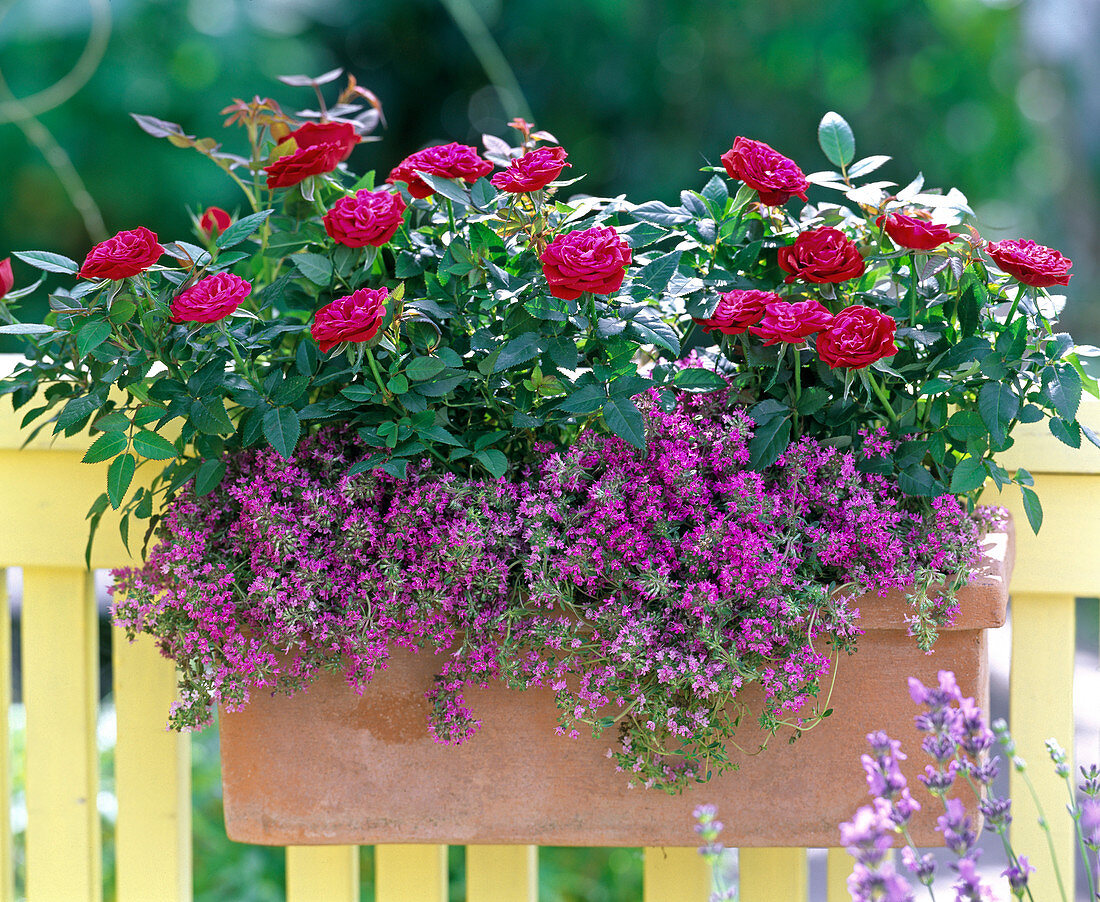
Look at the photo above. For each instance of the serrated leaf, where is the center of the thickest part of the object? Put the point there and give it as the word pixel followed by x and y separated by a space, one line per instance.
pixel 587 399
pixel 359 393
pixel 494 461
pixel 422 368
pixel 25 329
pixel 966 425
pixel 209 416
pixel 48 262
pixel 209 476
pixel 242 229
pixel 698 379
pixel 282 430
pixel 1032 508
pixel 968 311
pixel 314 267
pixel 1066 431
pixel 625 420
pixel 398 469
pixel 518 350
pixel 91 335
pixel 769 440
pixel 968 475
pixel 482 193
pixel 155 447
pixel 119 476
pixel 105 447
pixel 660 213
pixel 835 136
pixel 1062 386
pixel 437 388
pixel 998 404
pixel 655 275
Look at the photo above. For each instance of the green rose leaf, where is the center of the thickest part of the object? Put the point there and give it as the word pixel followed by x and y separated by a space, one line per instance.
pixel 1062 387
pixel 423 368
pixel 998 404
pixel 105 447
pixel 119 476
pixel 314 267
pixel 1032 508
pixel 155 447
pixel 242 229
pixel 769 440
pixel 625 420
pixel 282 430
pixel 835 136
pixel 48 262
pixel 698 379
pixel 518 350
pixel 968 475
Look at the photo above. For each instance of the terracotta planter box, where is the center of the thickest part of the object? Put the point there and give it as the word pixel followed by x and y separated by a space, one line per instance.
pixel 328 766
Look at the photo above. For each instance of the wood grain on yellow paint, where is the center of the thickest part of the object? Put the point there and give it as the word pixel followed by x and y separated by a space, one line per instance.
pixel 60 681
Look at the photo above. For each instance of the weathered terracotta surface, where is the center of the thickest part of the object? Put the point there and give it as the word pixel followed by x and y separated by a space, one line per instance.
pixel 328 766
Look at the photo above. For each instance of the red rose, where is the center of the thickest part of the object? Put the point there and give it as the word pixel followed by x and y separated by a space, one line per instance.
pixel 210 299
pixel 532 171
pixel 1031 263
pixel 737 310
pixel 341 134
pixel 857 337
pixel 451 161
pixel 298 166
pixel 127 254
pixel 214 221
pixel 821 255
pixel 7 278
pixel 791 323
pixel 775 177
pixel 589 260
pixel 366 217
pixel 355 317
pixel 915 234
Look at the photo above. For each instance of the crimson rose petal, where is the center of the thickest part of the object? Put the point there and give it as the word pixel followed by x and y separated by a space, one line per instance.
pixel 915 234
pixel 214 221
pixel 451 161
pixel 7 278
pixel 775 177
pixel 737 310
pixel 340 134
pixel 210 299
pixel 532 171
pixel 586 260
pixel 126 254
pixel 1031 263
pixel 791 323
pixel 355 317
pixel 857 337
pixel 821 255
pixel 365 218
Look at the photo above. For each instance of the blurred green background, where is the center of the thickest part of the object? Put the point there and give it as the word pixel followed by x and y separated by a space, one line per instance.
pixel 998 98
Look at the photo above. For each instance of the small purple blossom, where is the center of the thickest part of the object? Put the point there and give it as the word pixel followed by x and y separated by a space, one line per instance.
pixel 956 827
pixel 1017 875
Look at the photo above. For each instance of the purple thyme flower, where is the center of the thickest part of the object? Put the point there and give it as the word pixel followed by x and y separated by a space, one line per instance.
pixel 997 813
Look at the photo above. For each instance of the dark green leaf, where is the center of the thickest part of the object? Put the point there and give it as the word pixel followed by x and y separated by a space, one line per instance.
pixel 812 400
pixel 655 275
pixel 482 194
pixel 113 422
pixel 769 440
pixel 359 392
pixel 835 136
pixel 398 469
pixel 660 213
pixel 91 335
pixel 208 415
pixel 289 390
pixel 241 229
pixel 966 425
pixel 155 447
pixel 437 388
pixel 968 312
pixel 75 410
pixel 547 307
pixel 717 193
pixel 314 267
pixel 1066 431
pixel 968 475
pixel 282 430
pixel 449 188
pixel 105 447
pixel 1062 387
pixel 1032 508
pixel 48 262
pixel 587 399
pixel 998 404
pixel 209 476
pixel 518 350
pixel 493 461
pixel 625 420
pixel 1029 413
pixel 422 368
pixel 306 358
pixel 119 476
pixel 916 480
pixel 698 379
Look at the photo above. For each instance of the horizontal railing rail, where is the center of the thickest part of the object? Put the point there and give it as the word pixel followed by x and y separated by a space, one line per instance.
pixel 45 492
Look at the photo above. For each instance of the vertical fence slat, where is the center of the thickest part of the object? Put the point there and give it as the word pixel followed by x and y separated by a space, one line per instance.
pixel 7 865
pixel 322 873
pixel 60 678
pixel 152 778
pixel 1041 706
pixel 675 875
pixel 502 873
pixel 773 875
pixel 838 865
pixel 410 873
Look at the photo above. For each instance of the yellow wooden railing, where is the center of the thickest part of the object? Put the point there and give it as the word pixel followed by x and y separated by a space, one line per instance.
pixel 44 494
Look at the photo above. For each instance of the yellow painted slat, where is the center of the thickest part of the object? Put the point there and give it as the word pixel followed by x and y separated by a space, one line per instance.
pixel 152 778
pixel 410 873
pixel 7 873
pixel 1041 706
pixel 60 678
pixel 837 868
pixel 675 875
pixel 502 873
pixel 322 873
pixel 773 875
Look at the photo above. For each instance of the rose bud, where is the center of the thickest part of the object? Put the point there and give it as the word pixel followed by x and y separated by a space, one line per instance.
pixel 365 218
pixel 791 323
pixel 914 234
pixel 214 221
pixel 126 254
pixel 587 260
pixel 532 171
pixel 7 278
pixel 355 317
pixel 821 255
pixel 857 337
pixel 775 177
pixel 737 310
pixel 451 161
pixel 210 299
pixel 1031 263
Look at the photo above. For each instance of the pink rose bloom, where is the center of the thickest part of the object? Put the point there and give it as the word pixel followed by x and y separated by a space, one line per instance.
pixel 365 218
pixel 450 161
pixel 355 317
pixel 775 177
pixel 791 323
pixel 1031 263
pixel 126 254
pixel 210 299
pixel 737 310
pixel 532 171
pixel 588 260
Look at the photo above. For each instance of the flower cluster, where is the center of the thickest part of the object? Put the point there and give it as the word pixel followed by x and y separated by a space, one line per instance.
pixel 625 580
